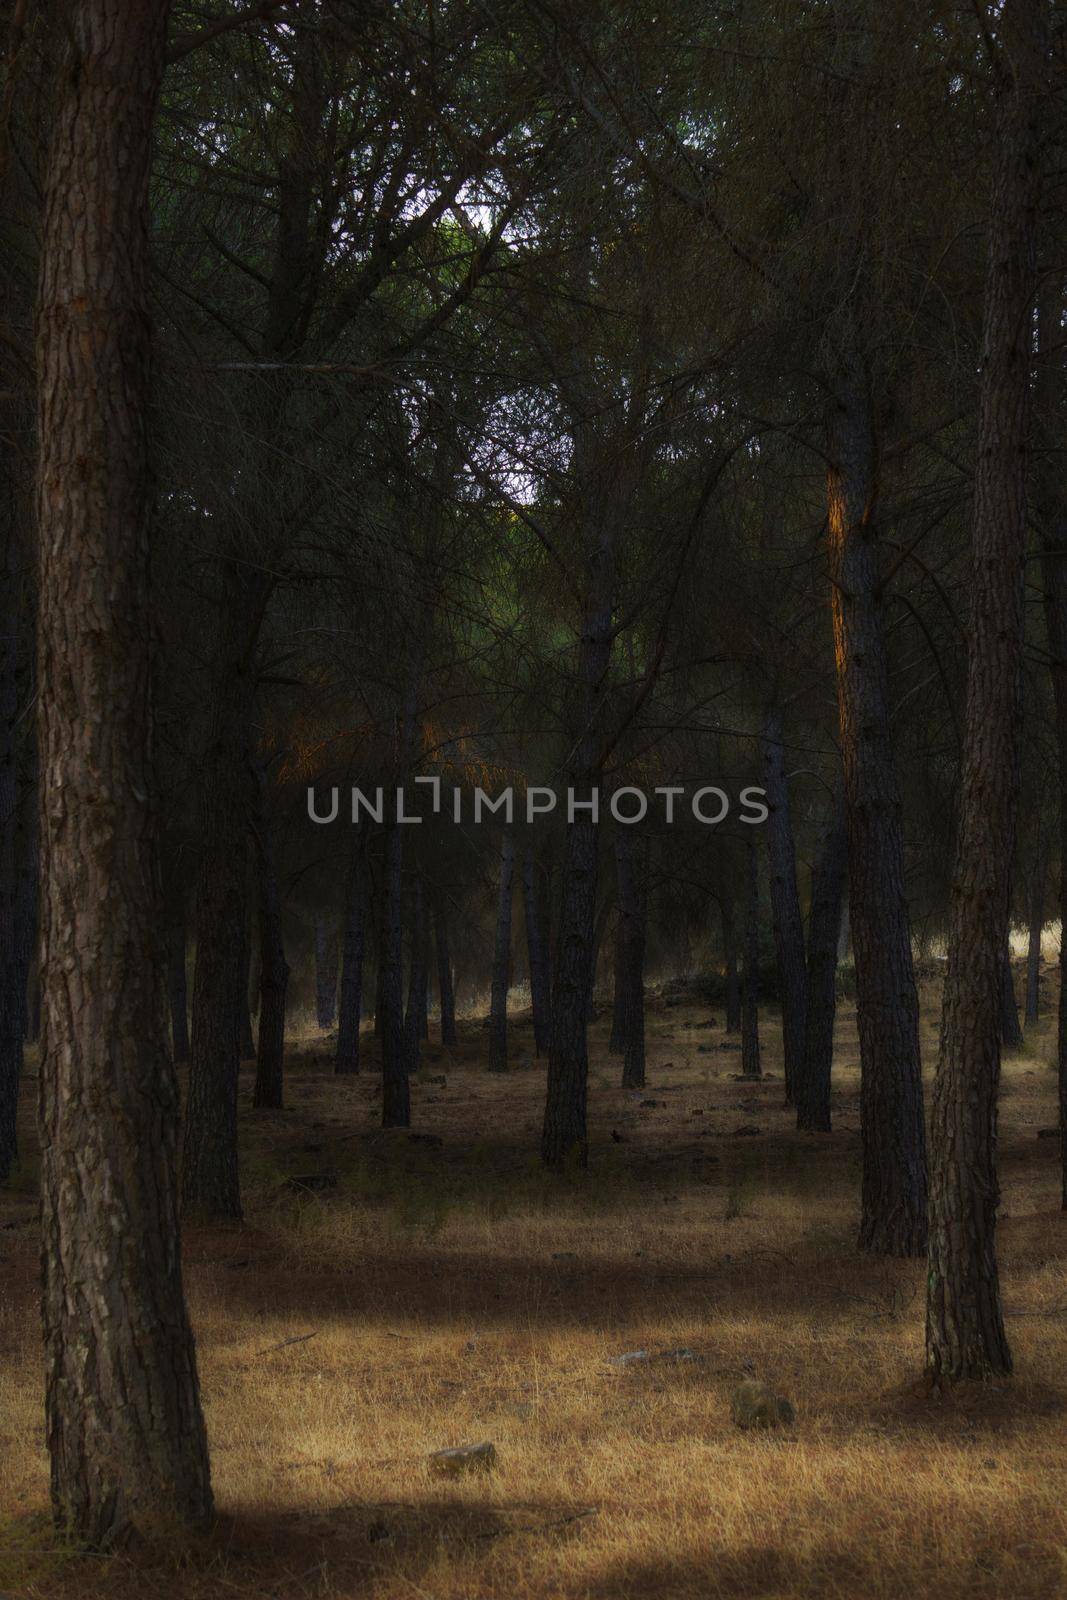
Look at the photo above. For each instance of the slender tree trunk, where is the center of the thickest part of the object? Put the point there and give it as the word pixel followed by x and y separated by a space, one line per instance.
pixel 893 1220
pixel 633 893
pixel 617 1039
pixel 396 1093
pixel 273 967
pixel 210 1180
pixel 965 1335
pixel 416 1007
pixel 729 955
pixel 827 890
pixel 785 903
pixel 349 1018
pixel 564 1136
pixel 325 971
pixel 124 1426
pixel 445 990
pixel 537 953
pixel 1011 1033
pixel 498 1004
pixel 750 1051
pixel 1036 929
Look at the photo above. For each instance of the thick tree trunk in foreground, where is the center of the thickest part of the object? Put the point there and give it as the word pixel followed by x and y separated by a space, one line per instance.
pixel 352 946
pixel 965 1335
pixel 824 926
pixel 498 1002
pixel 325 971
pixel 729 957
pixel 785 903
pixel 273 967
pixel 1011 1033
pixel 536 954
pixel 750 1052
pixel 893 1220
pixel 446 993
pixel 124 1426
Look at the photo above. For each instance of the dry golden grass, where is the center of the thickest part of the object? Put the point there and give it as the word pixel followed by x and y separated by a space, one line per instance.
pixel 455 1294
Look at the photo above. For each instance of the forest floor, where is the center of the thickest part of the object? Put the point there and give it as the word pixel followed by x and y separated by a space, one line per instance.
pixel 446 1291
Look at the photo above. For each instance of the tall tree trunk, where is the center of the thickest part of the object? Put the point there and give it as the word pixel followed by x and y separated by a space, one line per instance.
pixel 210 1180
pixel 965 1335
pixel 352 944
pixel 1011 1033
pixel 564 1135
pixel 617 1038
pixel 893 1220
pixel 396 1092
pixel 536 953
pixel 729 956
pixel 824 925
pixel 124 1426
pixel 1035 930
pixel 633 900
pixel 498 1003
pixel 325 971
pixel 785 903
pixel 416 1007
pixel 445 990
pixel 273 967
pixel 750 1051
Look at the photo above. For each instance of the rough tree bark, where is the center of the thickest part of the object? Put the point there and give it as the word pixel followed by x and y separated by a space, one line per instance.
pixel 785 902
pixel 498 1002
pixel 124 1426
pixel 352 947
pixel 824 928
pixel 177 983
pixel 965 1335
